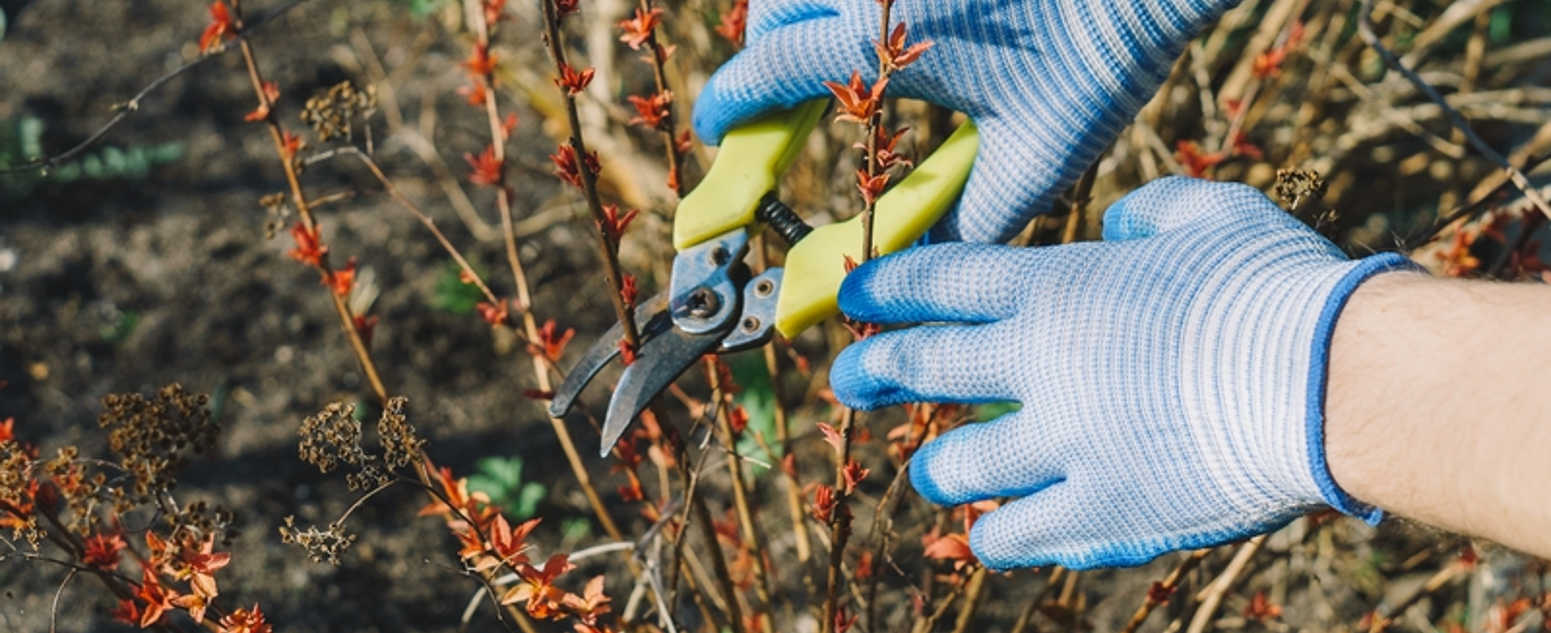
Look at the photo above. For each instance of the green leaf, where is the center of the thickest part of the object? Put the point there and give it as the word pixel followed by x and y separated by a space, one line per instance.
pixel 757 397
pixel 993 410
pixel 528 499
pixel 451 294
pixel 507 471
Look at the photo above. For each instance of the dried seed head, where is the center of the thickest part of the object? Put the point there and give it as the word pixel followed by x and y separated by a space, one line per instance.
pixel 322 546
pixel 401 446
pixel 332 112
pixel 154 437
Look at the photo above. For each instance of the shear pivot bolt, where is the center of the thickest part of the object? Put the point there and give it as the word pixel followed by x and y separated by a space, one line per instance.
pixel 703 303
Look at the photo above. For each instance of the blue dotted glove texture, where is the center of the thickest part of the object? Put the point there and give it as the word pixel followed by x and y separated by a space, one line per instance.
pixel 1049 83
pixel 1171 377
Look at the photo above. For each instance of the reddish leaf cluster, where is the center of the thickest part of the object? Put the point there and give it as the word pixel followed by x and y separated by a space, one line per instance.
pixel 474 94
pixel 271 94
pixel 489 543
pixel 220 28
pixel 341 280
pixel 1195 160
pixel 639 28
pixel 1457 259
pixel 894 53
pixel 566 167
pixel 291 144
pixel 486 167
pixel 953 546
pixel 310 248
pixel 573 80
pixel 1261 608
pixel 102 550
pixel 492 313
pixel 738 420
pixel 1269 63
pixel 184 558
pixel 553 341
pixel 628 289
pixel 493 11
pixel 652 111
pixel 823 503
pixel 480 62
pixel 858 101
pixel 734 21
pixel 854 473
pixel 615 223
pixel 364 325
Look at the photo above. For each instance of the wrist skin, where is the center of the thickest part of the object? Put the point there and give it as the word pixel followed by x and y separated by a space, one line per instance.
pixel 1437 405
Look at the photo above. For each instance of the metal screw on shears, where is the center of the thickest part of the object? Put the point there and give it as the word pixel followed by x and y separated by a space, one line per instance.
pixel 703 303
pixel 764 288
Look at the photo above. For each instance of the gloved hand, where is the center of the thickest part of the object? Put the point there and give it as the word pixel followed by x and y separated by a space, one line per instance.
pixel 1049 83
pixel 1171 377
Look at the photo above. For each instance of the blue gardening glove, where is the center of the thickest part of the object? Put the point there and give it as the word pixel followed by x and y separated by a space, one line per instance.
pixel 1050 83
pixel 1171 377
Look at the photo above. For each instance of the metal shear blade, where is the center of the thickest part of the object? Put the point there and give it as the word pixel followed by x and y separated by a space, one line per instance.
pixel 670 353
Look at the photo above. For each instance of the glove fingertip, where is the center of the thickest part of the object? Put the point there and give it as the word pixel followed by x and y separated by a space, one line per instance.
pixel 853 385
pixel 711 117
pixel 855 297
pixel 922 479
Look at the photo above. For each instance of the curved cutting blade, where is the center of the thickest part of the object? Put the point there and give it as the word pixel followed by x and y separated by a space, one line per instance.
pixel 651 319
pixel 660 361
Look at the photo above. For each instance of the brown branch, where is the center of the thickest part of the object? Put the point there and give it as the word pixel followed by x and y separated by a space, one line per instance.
pixel 303 208
pixel 1365 29
pixel 1219 587
pixel 1027 615
pixel 753 537
pixel 1160 592
pixel 608 248
pixel 525 299
pixel 972 595
pixel 925 624
pixel 659 64
pixel 123 110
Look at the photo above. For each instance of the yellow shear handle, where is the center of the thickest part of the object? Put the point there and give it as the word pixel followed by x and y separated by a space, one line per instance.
pixel 816 265
pixel 750 163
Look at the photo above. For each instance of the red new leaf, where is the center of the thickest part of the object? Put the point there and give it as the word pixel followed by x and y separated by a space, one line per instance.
pixel 309 245
pixel 734 21
pixel 639 28
pixel 220 27
pixel 858 101
pixel 487 168
pixel 651 111
pixel 572 80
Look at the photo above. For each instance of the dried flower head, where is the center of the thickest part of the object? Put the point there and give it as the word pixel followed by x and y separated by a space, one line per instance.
pixel 333 112
pixel 154 437
pixel 322 546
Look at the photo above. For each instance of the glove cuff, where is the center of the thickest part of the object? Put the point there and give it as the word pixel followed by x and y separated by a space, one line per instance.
pixel 1319 374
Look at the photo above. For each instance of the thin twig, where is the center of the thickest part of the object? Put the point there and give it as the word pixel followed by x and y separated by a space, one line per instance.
pixel 125 109
pixel 1159 593
pixel 1214 592
pixel 608 249
pixel 303 208
pixel 972 595
pixel 1365 28
pixel 753 536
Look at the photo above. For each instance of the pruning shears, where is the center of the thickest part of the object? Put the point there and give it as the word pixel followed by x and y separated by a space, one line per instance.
pixel 714 303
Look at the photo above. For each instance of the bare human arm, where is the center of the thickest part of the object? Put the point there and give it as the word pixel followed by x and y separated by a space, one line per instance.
pixel 1439 405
